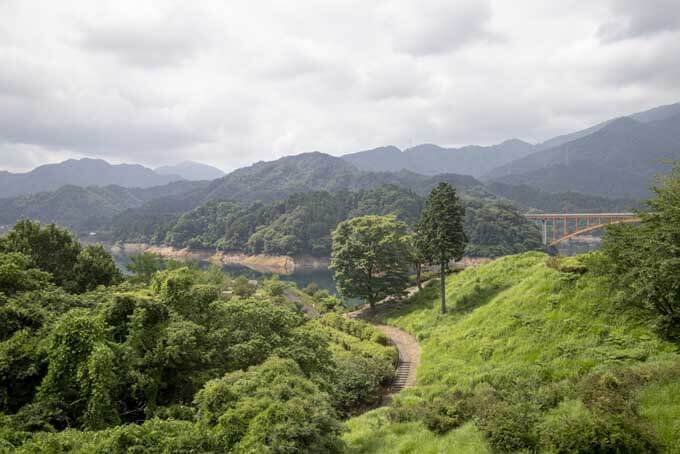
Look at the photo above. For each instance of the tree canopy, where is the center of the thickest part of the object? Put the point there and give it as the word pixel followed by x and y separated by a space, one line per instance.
pixel 440 231
pixel 644 260
pixel 371 257
pixel 176 359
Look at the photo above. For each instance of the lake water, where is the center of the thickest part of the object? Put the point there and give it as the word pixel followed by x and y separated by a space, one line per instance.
pixel 322 278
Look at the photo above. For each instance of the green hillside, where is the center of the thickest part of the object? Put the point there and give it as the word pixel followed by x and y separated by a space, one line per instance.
pixel 535 354
pixel 303 222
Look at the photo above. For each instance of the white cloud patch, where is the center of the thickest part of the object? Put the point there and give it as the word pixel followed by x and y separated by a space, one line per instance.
pixel 230 83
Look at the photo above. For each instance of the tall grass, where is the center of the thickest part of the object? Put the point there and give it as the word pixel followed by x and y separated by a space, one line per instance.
pixel 531 334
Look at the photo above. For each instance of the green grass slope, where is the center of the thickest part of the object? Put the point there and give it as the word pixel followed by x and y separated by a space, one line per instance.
pixel 534 355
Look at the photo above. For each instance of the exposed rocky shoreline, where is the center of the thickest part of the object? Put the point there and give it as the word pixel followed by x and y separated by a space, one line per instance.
pixel 278 264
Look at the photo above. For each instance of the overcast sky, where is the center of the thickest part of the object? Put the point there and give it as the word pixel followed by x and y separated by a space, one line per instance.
pixel 233 82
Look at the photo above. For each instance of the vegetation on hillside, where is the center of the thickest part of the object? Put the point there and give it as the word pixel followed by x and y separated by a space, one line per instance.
pixel 529 197
pixel 533 355
pixel 643 261
pixel 302 224
pixel 173 360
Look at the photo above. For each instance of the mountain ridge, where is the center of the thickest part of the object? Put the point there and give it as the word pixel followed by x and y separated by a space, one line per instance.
pixel 80 172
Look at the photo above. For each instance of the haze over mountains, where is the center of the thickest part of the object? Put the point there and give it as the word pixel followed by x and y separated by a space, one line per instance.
pixel 80 172
pixel 430 159
pixel 617 158
pixel 190 170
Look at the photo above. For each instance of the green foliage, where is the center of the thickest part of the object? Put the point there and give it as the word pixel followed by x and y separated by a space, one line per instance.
pixel 125 363
pixel 440 234
pixel 80 371
pixel 269 408
pixel 370 258
pixel 495 229
pixel 144 265
pixel 93 268
pixel 51 249
pixel 644 261
pixel 440 229
pixel 243 288
pixel 302 224
pixel 17 274
pixel 534 359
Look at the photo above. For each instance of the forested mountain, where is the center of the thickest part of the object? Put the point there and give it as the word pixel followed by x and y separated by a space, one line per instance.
pixel 655 114
pixel 302 224
pixel 619 160
pixel 80 172
pixel 429 159
pixel 193 171
pixel 274 180
pixel 84 209
pixel 530 198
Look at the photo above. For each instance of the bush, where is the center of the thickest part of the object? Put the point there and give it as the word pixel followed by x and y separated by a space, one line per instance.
pixel 447 413
pixel 508 426
pixel 573 428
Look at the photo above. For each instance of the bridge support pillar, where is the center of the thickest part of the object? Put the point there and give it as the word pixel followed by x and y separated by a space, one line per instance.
pixel 544 232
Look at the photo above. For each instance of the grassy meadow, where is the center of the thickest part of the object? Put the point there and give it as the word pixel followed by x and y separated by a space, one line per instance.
pixel 536 354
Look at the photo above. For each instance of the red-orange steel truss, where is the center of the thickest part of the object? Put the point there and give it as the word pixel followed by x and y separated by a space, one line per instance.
pixel 563 226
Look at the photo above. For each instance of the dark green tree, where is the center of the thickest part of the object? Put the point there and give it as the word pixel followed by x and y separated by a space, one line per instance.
pixel 644 260
pixel 93 268
pixel 51 248
pixel 371 258
pixel 440 232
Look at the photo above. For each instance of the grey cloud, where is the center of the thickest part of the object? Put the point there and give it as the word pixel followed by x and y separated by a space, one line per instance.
pixel 637 18
pixel 235 82
pixel 166 41
pixel 438 27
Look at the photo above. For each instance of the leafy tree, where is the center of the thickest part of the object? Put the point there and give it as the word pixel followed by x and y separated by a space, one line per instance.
pixel 93 268
pixel 17 274
pixel 270 408
pixel 52 249
pixel 440 231
pixel 370 258
pixel 644 260
pixel 144 265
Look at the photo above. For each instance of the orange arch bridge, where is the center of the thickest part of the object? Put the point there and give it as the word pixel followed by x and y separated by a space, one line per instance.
pixel 563 226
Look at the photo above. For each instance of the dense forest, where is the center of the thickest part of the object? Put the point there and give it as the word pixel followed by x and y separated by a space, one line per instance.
pixel 172 360
pixel 302 224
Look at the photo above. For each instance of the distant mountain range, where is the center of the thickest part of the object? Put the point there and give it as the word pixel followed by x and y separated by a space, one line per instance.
pixel 429 159
pixel 620 159
pixel 615 158
pixel 84 209
pixel 192 171
pixel 80 172
pixel 146 211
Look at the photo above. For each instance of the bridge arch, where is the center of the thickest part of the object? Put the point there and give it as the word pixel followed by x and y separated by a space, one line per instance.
pixel 564 226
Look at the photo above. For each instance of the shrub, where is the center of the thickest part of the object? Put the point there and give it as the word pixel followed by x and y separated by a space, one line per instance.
pixel 508 427
pixel 573 428
pixel 445 414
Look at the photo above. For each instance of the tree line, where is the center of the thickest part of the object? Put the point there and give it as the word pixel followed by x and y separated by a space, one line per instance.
pixel 303 223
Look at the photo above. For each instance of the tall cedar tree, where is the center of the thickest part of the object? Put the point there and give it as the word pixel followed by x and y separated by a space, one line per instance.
pixel 440 231
pixel 371 258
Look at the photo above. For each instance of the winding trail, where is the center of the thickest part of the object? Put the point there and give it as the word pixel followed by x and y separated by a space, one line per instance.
pixel 406 344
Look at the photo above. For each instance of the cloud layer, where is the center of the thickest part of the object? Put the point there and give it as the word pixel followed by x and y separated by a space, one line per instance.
pixel 230 83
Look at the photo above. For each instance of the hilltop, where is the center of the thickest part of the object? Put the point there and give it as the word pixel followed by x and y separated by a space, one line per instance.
pixel 80 172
